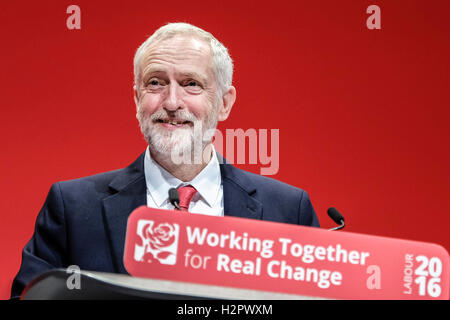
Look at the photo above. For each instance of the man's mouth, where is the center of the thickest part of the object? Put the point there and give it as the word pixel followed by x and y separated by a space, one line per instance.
pixel 173 122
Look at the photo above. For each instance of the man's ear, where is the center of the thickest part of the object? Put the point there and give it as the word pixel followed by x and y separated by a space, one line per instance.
pixel 228 100
pixel 136 96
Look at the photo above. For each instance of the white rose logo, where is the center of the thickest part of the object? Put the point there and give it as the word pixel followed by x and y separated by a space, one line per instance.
pixel 158 243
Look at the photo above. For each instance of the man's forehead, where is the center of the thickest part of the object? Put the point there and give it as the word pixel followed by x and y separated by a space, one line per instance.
pixel 182 51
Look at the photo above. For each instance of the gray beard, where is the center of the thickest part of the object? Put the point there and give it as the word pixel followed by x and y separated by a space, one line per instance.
pixel 182 145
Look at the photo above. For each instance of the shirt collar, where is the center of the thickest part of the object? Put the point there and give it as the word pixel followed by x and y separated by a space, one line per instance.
pixel 159 180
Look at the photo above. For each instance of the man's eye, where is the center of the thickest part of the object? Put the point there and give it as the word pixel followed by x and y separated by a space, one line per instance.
pixel 153 82
pixel 192 83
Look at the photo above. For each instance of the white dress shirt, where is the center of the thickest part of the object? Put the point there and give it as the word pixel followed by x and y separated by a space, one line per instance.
pixel 208 199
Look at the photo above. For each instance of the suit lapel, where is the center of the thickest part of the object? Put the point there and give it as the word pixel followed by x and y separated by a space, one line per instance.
pixel 128 190
pixel 238 194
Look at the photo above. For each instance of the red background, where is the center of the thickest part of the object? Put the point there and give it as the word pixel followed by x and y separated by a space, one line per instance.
pixel 363 114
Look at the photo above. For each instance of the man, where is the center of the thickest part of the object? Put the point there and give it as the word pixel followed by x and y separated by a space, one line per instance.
pixel 182 88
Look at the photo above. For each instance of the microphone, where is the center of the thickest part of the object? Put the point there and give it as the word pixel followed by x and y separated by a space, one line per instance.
pixel 174 198
pixel 337 217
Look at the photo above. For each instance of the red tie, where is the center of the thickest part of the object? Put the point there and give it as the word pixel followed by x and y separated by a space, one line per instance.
pixel 186 194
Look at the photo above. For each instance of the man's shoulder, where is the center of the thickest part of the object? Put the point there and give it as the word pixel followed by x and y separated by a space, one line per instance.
pixel 102 182
pixel 98 179
pixel 86 189
pixel 266 184
pixel 282 202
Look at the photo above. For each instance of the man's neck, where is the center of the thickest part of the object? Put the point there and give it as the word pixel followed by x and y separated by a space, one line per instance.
pixel 184 171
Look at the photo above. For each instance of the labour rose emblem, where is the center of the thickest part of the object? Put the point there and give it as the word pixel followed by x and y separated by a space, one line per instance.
pixel 156 240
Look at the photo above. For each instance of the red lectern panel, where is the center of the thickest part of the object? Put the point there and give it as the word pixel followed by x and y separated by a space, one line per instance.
pixel 269 256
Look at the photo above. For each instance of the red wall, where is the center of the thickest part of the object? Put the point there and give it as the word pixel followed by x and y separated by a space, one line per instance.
pixel 363 114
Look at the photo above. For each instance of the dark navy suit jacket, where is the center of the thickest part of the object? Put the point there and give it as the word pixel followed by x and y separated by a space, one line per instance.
pixel 83 222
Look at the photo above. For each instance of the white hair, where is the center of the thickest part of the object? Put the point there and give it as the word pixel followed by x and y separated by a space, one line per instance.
pixel 222 62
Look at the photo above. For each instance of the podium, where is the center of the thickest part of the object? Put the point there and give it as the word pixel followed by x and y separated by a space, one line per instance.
pixel 177 256
pixel 52 285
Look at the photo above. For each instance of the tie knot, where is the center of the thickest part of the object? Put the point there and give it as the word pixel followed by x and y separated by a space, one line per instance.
pixel 186 194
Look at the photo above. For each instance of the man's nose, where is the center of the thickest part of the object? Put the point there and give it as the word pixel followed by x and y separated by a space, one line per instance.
pixel 173 99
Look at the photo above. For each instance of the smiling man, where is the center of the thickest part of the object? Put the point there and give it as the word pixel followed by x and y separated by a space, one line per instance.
pixel 183 87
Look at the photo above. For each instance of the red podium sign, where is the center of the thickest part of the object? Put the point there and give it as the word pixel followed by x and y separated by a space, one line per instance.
pixel 278 257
